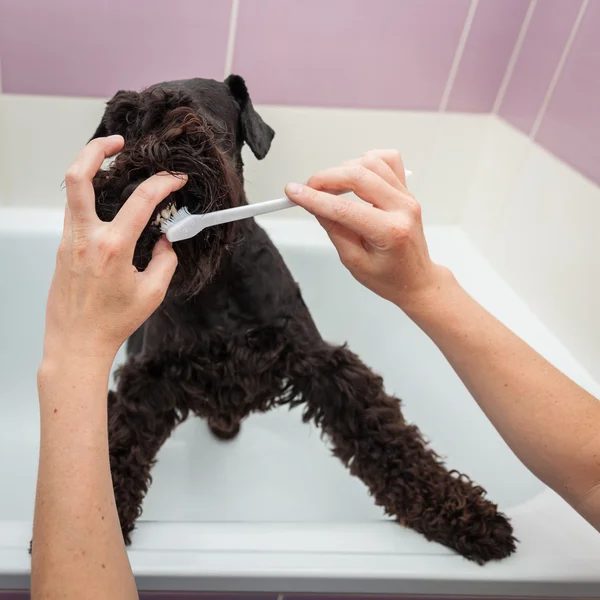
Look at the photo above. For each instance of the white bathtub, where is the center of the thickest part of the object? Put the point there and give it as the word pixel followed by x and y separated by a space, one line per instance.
pixel 273 511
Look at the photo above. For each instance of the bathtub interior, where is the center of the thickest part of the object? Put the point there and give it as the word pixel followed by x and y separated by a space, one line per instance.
pixel 278 469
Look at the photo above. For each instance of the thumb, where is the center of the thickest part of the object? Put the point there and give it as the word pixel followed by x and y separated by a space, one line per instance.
pixel 159 272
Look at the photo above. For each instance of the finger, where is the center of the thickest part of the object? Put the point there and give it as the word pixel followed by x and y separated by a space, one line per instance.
pixel 393 159
pixel 159 272
pixel 138 209
pixel 363 220
pixel 78 179
pixel 366 184
pixel 379 167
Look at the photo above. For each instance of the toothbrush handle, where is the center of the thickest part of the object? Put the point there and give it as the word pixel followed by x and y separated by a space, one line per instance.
pixel 261 208
pixel 250 210
pixel 238 213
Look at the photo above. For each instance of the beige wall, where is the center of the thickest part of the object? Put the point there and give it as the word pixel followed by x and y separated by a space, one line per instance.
pixel 533 217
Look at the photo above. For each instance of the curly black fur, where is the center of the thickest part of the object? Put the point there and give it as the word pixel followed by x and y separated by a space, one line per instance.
pixel 234 336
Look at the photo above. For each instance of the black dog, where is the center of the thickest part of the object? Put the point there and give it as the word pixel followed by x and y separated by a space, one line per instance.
pixel 234 336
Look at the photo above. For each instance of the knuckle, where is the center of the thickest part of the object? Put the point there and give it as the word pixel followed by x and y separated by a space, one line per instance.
pixel 74 175
pixel 413 208
pixel 398 233
pixel 357 173
pixel 341 207
pixel 370 161
pixel 111 244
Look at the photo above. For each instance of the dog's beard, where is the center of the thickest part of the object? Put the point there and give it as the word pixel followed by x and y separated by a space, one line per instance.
pixel 183 143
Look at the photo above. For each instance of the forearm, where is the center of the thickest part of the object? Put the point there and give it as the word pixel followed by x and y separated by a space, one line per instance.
pixel 78 549
pixel 551 423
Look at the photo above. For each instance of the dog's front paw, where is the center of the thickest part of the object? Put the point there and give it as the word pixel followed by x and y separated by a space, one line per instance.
pixel 486 538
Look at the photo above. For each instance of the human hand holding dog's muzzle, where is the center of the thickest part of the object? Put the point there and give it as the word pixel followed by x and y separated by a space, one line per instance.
pixel 97 297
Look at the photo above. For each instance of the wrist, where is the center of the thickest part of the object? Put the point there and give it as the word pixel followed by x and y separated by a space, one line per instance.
pixel 62 367
pixel 65 347
pixel 431 299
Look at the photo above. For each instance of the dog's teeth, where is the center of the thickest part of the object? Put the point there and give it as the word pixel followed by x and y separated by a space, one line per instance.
pixel 165 214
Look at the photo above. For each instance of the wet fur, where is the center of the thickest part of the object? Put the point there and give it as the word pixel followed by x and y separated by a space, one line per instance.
pixel 234 336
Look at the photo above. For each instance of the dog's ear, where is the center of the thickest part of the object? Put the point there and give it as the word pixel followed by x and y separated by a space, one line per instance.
pixel 122 110
pixel 255 132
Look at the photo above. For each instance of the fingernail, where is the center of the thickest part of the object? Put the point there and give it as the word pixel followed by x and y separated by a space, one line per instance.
pixel 115 137
pixel 294 189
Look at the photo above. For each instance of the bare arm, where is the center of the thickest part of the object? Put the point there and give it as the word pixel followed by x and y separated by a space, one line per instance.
pixel 96 300
pixel 78 549
pixel 551 423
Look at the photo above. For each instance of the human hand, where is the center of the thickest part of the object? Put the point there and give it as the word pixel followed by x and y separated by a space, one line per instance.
pixel 382 245
pixel 97 298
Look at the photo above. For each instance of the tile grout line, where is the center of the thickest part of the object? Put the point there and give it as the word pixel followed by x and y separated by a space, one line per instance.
pixel 235 9
pixel 557 72
pixel 462 42
pixel 514 57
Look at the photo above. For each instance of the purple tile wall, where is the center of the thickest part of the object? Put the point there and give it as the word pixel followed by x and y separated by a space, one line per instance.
pixel 490 43
pixel 547 34
pixel 571 125
pixel 377 54
pixel 75 48
pixel 394 54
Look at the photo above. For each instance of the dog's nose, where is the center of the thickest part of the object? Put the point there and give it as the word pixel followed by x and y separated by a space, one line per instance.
pixel 129 189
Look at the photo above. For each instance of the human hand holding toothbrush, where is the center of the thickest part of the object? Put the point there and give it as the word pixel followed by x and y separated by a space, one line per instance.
pixel 382 245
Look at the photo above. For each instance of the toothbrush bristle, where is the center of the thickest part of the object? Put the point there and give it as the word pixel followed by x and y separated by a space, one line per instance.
pixel 182 213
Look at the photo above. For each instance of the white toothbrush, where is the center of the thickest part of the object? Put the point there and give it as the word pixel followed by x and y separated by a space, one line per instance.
pixel 184 225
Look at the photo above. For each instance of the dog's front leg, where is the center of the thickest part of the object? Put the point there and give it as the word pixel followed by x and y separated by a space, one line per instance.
pixel 369 434
pixel 141 416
